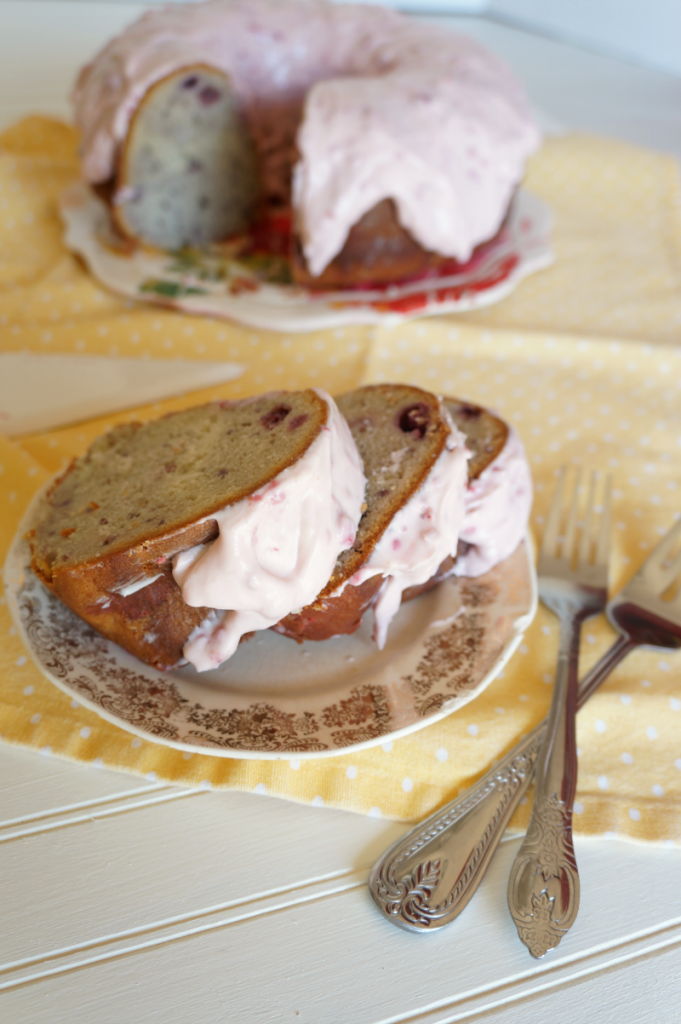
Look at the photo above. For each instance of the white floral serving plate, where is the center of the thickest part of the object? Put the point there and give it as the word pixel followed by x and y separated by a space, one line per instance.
pixel 275 698
pixel 255 289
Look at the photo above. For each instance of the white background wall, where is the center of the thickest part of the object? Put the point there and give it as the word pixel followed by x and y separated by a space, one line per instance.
pixel 646 32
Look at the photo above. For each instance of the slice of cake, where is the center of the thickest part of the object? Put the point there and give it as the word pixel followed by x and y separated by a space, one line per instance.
pixel 407 442
pixel 380 436
pixel 143 493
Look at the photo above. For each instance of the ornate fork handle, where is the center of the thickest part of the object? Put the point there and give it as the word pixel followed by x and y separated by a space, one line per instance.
pixel 543 887
pixel 425 879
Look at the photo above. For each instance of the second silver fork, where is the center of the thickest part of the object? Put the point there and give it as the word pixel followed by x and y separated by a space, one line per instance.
pixel 429 875
pixel 543 889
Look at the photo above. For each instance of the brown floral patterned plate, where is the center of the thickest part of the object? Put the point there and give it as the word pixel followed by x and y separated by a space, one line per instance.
pixel 275 698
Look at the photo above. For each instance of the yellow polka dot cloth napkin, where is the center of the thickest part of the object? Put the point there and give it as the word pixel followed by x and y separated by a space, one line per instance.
pixel 581 359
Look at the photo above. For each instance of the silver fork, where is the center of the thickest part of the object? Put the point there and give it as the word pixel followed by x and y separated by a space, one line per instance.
pixel 427 877
pixel 543 888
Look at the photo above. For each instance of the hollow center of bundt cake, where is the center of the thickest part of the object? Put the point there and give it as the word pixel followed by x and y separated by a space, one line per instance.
pixel 142 481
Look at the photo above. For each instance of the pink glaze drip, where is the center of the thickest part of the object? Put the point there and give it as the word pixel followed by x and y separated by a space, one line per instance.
pixel 276 550
pixel 421 535
pixel 498 507
pixel 386 107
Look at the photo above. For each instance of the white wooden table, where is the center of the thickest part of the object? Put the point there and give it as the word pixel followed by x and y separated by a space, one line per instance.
pixel 123 901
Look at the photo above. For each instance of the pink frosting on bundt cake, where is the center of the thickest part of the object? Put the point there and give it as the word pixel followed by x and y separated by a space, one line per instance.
pixel 362 103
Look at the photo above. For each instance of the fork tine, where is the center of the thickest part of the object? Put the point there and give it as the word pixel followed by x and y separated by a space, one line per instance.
pixel 571 527
pixel 666 575
pixel 549 541
pixel 671 573
pixel 654 561
pixel 589 524
pixel 603 542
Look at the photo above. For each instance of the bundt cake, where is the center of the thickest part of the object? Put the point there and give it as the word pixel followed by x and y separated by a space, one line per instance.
pixel 200 116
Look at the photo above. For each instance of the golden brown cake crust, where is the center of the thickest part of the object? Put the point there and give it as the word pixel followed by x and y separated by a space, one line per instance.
pixel 331 616
pixel 378 250
pixel 153 624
